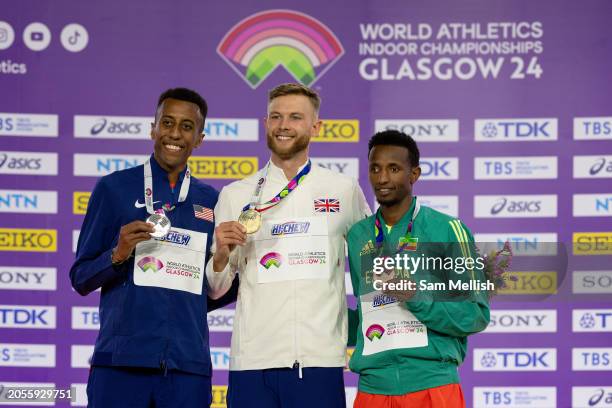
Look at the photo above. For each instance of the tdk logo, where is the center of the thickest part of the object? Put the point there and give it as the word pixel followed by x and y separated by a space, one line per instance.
pixel 514 130
pixel 130 128
pixel 512 397
pixel 27 317
pixel 440 168
pixel 518 359
pixel 593 128
pixel 592 359
pixel 290 228
pixel 592 320
pixel 177 238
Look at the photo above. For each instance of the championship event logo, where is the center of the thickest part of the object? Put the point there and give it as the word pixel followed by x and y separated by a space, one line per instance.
pixel 257 45
pixel 150 263
pixel 375 331
pixel 271 259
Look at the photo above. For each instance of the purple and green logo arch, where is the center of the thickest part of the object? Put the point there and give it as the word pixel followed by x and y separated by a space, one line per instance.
pixel 375 331
pixel 259 44
pixel 150 263
pixel 271 259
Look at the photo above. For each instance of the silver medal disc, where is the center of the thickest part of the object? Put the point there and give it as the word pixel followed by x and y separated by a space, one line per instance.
pixel 160 223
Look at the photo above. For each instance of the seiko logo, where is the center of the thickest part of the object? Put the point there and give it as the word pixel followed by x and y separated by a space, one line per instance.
pixel 115 127
pixel 516 206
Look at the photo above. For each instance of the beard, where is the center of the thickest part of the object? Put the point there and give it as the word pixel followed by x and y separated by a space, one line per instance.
pixel 299 144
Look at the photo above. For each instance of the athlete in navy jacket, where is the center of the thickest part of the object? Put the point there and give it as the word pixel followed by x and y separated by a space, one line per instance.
pixel 152 348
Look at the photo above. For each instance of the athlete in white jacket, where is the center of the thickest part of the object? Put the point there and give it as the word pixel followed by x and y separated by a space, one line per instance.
pixel 290 327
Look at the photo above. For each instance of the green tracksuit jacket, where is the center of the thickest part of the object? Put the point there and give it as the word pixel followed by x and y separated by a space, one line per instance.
pixel 404 347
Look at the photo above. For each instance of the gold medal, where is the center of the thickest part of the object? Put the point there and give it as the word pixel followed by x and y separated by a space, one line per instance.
pixel 251 220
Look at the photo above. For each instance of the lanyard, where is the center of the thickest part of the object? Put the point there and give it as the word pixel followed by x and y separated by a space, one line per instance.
pixel 406 240
pixel 148 188
pixel 292 185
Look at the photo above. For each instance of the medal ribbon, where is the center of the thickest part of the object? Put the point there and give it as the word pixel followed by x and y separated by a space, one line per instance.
pixel 148 188
pixel 292 185
pixel 405 240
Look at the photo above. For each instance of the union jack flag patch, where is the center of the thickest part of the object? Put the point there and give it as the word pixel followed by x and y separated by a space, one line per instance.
pixel 327 205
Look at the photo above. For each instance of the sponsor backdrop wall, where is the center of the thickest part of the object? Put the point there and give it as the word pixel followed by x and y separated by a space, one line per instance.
pixel 509 100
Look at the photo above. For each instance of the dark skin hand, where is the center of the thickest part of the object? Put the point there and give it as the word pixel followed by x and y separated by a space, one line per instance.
pixel 130 235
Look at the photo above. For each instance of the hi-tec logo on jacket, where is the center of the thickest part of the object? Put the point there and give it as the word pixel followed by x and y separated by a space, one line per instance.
pixel 257 45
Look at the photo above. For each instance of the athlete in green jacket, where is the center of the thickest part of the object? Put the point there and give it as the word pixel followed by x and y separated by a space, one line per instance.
pixel 411 337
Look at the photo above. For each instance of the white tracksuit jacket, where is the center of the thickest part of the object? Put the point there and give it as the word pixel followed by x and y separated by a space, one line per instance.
pixel 304 321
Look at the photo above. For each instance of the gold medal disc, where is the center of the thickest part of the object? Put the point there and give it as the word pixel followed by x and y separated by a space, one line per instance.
pixel 251 220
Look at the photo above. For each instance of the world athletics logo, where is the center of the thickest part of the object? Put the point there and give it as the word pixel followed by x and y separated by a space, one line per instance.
pixel 257 45
pixel 375 331
pixel 150 263
pixel 271 259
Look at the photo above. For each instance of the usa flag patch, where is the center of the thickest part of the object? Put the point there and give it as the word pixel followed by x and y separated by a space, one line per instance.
pixel 327 205
pixel 203 213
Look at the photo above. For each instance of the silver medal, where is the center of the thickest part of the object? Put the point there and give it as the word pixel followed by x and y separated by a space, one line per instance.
pixel 161 224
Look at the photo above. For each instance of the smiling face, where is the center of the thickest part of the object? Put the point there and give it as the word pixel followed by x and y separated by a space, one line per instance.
pixel 391 174
pixel 176 132
pixel 290 124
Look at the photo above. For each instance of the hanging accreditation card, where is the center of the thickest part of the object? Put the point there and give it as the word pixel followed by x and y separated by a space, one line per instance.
pixel 292 248
pixel 175 261
pixel 388 325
